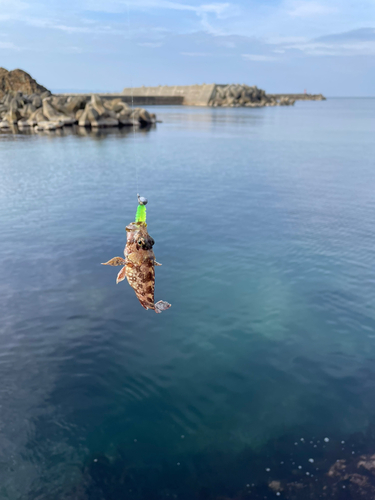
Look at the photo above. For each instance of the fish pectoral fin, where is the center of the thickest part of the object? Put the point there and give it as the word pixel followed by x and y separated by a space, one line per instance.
pixel 116 261
pixel 161 306
pixel 121 275
pixel 157 263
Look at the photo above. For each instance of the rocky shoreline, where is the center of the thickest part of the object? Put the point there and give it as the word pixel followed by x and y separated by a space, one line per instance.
pixel 47 112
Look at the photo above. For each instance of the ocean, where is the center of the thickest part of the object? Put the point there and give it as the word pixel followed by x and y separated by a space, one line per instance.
pixel 263 368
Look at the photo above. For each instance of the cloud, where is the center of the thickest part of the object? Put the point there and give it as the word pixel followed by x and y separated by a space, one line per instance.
pixel 281 40
pixel 8 45
pixel 11 9
pixel 94 29
pixel 303 9
pixel 118 6
pixel 258 57
pixel 205 12
pixel 352 43
pixel 331 49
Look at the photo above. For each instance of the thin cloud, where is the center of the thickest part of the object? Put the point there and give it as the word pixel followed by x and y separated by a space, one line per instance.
pixel 205 12
pixel 196 54
pixel 310 9
pixel 259 57
pixel 151 45
pixel 339 49
pixel 352 43
pixel 278 40
pixel 8 46
pixel 117 6
pixel 49 24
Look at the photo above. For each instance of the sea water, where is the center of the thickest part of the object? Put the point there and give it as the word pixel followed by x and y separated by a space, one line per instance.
pixel 264 223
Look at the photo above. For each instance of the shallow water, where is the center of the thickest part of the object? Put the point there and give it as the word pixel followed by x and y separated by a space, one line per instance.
pixel 264 223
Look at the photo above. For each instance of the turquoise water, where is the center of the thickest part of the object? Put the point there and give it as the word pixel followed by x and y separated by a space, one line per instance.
pixel 264 223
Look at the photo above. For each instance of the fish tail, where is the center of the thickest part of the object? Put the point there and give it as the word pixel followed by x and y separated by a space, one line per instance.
pixel 161 306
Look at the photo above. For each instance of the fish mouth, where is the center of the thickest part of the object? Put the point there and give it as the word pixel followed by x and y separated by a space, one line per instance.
pixel 136 226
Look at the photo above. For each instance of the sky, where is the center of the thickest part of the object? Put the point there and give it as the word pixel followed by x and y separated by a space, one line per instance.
pixel 323 46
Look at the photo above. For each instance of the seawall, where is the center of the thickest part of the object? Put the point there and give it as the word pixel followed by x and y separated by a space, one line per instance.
pixel 136 99
pixel 189 95
pixel 300 97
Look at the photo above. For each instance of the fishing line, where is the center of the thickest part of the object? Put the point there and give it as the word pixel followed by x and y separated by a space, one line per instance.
pixel 132 107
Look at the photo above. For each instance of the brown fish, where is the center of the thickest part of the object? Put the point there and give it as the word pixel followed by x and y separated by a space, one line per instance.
pixel 139 266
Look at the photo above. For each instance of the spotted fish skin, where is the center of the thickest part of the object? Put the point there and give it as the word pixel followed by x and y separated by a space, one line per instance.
pixel 139 266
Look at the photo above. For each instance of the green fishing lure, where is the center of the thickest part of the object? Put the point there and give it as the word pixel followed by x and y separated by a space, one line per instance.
pixel 140 215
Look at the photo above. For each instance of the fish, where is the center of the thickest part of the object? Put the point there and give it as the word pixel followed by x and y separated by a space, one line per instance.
pixel 139 266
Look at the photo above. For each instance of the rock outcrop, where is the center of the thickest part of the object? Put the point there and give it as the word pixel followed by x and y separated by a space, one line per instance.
pixel 47 112
pixel 18 81
pixel 237 95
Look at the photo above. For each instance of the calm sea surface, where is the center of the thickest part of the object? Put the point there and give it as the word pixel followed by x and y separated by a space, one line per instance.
pixel 264 223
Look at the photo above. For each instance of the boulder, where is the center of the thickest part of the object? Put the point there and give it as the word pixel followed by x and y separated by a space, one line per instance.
pixel 4 124
pixel 53 112
pixel 48 125
pixel 7 99
pixel 75 104
pixel 15 104
pixel 56 101
pixel 36 117
pixel 98 105
pixel 12 116
pixel 243 95
pixel 27 110
pixel 105 122
pixel 45 94
pixel 79 113
pixel 23 123
pixel 124 118
pixel 88 116
pixel 37 101
pixel 117 105
pixel 56 116
pixel 110 114
pixel 144 117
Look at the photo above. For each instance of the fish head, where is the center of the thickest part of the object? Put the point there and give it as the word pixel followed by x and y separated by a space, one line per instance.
pixel 137 235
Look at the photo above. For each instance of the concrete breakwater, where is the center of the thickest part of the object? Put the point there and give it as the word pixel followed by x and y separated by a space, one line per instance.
pixel 301 97
pixel 234 95
pixel 188 95
pixel 48 112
